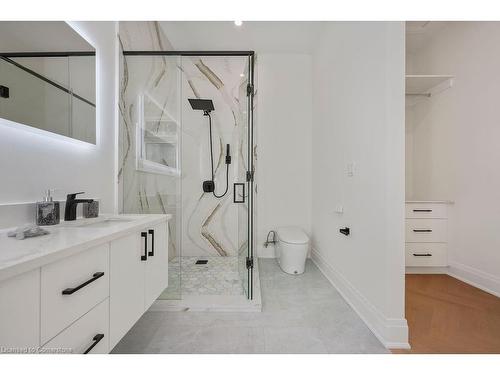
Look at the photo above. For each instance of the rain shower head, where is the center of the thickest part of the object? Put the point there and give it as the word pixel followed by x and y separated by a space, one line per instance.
pixel 205 105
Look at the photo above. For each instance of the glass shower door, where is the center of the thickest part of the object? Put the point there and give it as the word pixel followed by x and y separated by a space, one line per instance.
pixel 241 198
pixel 243 189
pixel 150 131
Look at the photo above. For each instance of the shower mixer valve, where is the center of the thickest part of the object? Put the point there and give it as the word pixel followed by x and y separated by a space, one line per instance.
pixel 208 186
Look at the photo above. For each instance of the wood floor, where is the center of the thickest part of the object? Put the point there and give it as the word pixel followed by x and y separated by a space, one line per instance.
pixel 446 315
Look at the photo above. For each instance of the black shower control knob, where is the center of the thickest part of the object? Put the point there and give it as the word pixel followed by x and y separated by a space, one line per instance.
pixel 208 186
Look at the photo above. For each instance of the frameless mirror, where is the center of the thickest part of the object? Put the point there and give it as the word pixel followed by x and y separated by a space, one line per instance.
pixel 47 78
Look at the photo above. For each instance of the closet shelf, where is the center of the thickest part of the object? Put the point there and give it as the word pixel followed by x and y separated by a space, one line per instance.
pixel 427 85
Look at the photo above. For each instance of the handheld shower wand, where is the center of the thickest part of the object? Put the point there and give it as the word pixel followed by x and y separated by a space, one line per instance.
pixel 207 106
pixel 228 161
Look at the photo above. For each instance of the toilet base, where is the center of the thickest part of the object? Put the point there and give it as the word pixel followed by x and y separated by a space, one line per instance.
pixel 291 269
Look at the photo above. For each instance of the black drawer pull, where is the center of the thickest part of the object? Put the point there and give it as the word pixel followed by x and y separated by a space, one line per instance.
pixel 152 252
pixel 422 230
pixel 145 236
pixel 96 340
pixel 95 276
pixel 422 210
pixel 422 255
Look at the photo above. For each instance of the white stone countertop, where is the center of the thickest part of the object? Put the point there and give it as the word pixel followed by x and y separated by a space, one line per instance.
pixel 65 239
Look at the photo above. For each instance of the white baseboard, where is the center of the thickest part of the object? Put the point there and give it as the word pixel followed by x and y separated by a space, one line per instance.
pixel 392 333
pixel 482 280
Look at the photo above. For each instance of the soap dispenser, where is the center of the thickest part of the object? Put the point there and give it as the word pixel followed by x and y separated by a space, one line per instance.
pixel 47 211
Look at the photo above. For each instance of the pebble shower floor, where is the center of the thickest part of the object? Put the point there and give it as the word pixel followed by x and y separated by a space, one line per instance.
pixel 218 277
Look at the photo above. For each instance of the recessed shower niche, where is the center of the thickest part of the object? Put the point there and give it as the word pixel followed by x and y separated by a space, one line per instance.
pixel 169 150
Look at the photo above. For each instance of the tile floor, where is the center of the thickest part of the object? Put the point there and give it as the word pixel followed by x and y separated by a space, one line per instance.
pixel 219 276
pixel 301 314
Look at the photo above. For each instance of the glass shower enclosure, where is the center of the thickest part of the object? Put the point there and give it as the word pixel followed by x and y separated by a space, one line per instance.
pixel 166 148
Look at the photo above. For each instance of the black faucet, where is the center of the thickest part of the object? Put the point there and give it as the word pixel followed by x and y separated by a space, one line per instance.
pixel 71 203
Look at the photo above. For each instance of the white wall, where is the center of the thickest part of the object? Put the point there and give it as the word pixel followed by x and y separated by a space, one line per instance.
pixel 358 106
pixel 32 161
pixel 283 122
pixel 456 145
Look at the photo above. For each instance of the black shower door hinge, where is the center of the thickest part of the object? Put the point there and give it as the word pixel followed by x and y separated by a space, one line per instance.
pixel 249 263
pixel 250 176
pixel 250 90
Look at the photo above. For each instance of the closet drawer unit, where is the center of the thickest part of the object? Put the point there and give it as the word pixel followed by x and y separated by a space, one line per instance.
pixel 426 211
pixel 72 287
pixel 426 230
pixel 426 255
pixel 88 335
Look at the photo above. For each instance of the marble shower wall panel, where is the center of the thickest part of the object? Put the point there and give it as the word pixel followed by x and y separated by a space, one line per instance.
pixel 143 191
pixel 157 79
pixel 210 225
pixel 204 225
pixel 143 36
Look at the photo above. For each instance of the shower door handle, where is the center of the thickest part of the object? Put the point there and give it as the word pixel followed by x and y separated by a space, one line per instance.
pixel 239 192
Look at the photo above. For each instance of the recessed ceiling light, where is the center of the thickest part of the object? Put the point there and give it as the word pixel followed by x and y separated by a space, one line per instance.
pixel 242 75
pixel 238 23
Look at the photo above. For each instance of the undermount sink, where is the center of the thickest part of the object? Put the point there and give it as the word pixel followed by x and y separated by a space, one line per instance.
pixel 104 222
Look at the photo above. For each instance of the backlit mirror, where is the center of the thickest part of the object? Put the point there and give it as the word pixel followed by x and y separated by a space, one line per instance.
pixel 47 78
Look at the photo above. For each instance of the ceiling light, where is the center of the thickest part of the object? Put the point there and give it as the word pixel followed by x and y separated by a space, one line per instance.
pixel 238 23
pixel 242 75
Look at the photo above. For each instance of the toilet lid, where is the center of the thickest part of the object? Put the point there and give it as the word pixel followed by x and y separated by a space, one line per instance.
pixel 293 235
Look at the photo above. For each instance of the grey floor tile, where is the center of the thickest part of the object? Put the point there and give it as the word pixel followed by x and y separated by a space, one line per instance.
pixel 301 314
pixel 294 340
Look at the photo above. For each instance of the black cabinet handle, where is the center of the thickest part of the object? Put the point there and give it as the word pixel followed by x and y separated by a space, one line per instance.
pixel 422 210
pixel 422 230
pixel 95 276
pixel 152 233
pixel 345 231
pixel 422 255
pixel 145 236
pixel 95 340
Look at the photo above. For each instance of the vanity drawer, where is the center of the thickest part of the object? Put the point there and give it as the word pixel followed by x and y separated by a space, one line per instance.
pixel 20 312
pixel 426 255
pixel 88 334
pixel 71 287
pixel 426 211
pixel 426 230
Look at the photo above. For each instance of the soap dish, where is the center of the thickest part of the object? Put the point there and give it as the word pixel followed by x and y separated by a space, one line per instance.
pixel 91 209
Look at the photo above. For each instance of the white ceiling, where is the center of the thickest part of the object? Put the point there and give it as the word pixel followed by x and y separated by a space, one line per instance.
pixel 260 36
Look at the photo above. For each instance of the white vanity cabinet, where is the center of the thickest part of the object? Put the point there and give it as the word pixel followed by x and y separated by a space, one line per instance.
pixel 88 297
pixel 139 273
pixel 20 313
pixel 156 272
pixel 71 287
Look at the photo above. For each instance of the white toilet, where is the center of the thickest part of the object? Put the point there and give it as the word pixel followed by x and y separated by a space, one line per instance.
pixel 291 249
